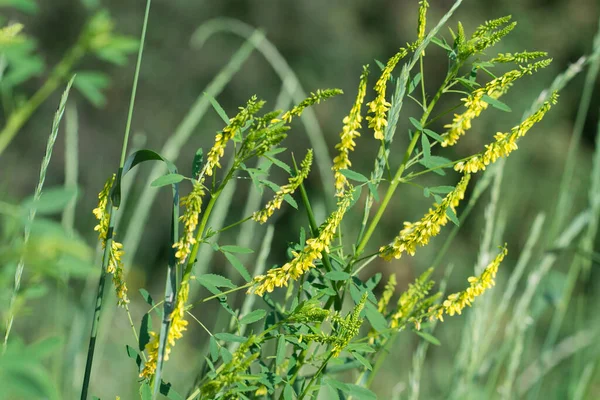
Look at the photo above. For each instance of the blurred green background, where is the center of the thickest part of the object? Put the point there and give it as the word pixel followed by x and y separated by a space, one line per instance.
pixel 325 44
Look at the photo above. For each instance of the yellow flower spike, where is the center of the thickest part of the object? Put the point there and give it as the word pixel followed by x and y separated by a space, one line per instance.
pixel 419 233
pixel 193 206
pixel 410 299
pixel 505 143
pixel 352 123
pixel 387 294
pixel 475 103
pixel 314 98
pixel 456 302
pixel 379 107
pixel 101 212
pixel 115 268
pixel 304 260
pixel 235 125
pixel 176 329
pixel 10 34
pixel 423 6
pixel 293 183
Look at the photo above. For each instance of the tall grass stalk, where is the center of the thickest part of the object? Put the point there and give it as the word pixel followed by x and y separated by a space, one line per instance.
pixel 101 282
pixel 32 211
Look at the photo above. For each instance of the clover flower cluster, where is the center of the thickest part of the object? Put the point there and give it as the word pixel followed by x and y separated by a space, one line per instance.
pixel 456 302
pixel 352 123
pixel 505 143
pixel 115 252
pixel 193 205
pixel 419 233
pixel 293 183
pixel 305 259
pixel 235 125
pixel 379 107
pixel 475 103
pixel 177 326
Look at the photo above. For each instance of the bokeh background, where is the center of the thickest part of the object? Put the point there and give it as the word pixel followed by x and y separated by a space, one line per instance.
pixel 325 44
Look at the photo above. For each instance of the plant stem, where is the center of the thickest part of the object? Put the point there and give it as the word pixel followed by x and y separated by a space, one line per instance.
pixel 315 376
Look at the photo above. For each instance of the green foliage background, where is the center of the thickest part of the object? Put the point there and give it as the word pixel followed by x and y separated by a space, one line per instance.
pixel 325 43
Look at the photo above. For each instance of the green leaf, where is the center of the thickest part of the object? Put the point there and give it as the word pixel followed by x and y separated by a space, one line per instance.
pixel 355 176
pixel 215 280
pixel 167 179
pixel 436 164
pixel 433 135
pixel 441 189
pixel 254 316
pixel 377 321
pixel 226 355
pixel 236 249
pixel 361 347
pixel 416 123
pixel 290 200
pixel 452 216
pixel 237 264
pixel 360 393
pixel 145 391
pixel 337 275
pixel 288 392
pixel 145 328
pixel 380 64
pixel 428 337
pixel 426 148
pixel 26 6
pixel 91 84
pixel 213 347
pixel 438 42
pixel 363 361
pixel 414 83
pixel 373 190
pixel 280 164
pixel 167 390
pixel 496 103
pixel 198 163
pixel 146 296
pixel 53 200
pixel 230 337
pixel 117 49
pixel 131 353
pixel 218 108
pixel 280 353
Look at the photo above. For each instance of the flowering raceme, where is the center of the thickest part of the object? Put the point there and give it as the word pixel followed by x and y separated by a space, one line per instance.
pixel 304 260
pixel 456 302
pixel 352 123
pixel 505 143
pixel 419 233
pixel 293 184
pixel 475 103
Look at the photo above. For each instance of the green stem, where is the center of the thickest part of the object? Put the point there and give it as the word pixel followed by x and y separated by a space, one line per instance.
pixel 315 376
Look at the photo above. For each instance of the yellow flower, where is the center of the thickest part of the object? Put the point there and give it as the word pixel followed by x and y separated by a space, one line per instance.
pixel 352 123
pixel 235 125
pixel 505 143
pixel 410 300
pixel 379 107
pixel 475 103
pixel 387 294
pixel 314 98
pixel 193 205
pixel 304 260
pixel 177 327
pixel 293 184
pixel 423 6
pixel 419 233
pixel 101 212
pixel 456 302
pixel 115 268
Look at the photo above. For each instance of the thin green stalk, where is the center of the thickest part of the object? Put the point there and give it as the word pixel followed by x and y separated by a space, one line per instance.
pixel 32 212
pixel 101 283
pixel 564 194
pixel 315 376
